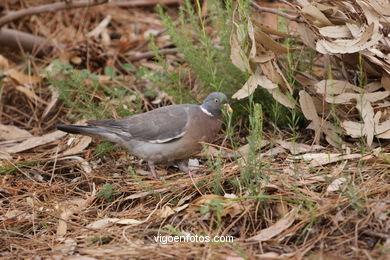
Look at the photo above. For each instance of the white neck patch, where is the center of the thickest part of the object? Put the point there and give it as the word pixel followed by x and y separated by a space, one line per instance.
pixel 205 111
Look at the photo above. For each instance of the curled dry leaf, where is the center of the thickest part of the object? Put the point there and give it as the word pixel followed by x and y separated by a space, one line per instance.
pixel 82 143
pixel 335 31
pixel 250 86
pixel 369 37
pixel 83 163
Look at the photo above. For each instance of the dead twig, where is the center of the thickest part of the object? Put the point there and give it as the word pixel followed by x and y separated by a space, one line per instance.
pixel 145 3
pixel 12 16
pixel 17 40
pixel 151 54
pixel 277 12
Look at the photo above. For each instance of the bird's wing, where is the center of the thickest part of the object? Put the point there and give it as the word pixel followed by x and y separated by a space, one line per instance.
pixel 161 125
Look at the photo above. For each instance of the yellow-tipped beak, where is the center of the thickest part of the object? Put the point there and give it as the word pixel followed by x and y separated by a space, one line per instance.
pixel 228 108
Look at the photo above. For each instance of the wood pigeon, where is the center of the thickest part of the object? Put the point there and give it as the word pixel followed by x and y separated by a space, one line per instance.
pixel 169 134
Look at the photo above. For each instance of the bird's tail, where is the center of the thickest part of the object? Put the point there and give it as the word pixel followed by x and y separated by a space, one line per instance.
pixel 92 131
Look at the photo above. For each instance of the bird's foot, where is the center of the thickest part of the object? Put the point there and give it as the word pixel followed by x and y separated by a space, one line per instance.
pixel 153 170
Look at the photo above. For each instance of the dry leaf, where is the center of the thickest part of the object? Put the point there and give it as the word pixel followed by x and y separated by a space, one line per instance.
pixel 307 35
pixel 313 14
pixel 320 159
pixel 270 44
pixel 53 101
pixel 83 163
pixel 367 113
pixel 252 83
pixel 166 211
pixel 277 228
pixel 4 64
pixel 82 143
pixel 369 37
pixel 335 31
pixel 334 87
pixel 237 55
pixel 35 141
pixel 10 132
pixel 335 185
pixel 282 98
pixel 297 148
pixel 309 111
pixel 30 94
pixel 22 78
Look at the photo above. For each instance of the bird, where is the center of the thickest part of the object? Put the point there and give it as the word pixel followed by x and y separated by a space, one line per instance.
pixel 166 135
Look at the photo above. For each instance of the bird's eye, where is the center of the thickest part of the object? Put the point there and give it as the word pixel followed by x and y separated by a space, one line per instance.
pixel 216 100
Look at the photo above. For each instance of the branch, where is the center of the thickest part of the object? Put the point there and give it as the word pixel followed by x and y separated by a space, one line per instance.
pixel 277 12
pixel 30 43
pixel 13 15
pixel 144 3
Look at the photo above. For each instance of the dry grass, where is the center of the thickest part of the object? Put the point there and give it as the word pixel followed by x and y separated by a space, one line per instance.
pixel 51 207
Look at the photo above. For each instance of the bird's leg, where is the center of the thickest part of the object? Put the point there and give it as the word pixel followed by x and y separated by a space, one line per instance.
pixel 184 167
pixel 153 170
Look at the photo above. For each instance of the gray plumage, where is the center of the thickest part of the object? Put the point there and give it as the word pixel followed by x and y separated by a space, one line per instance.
pixel 164 135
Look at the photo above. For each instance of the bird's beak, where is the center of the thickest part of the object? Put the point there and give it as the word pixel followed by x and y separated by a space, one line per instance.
pixel 228 108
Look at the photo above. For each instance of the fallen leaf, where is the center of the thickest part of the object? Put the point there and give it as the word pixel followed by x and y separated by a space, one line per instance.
pixel 53 101
pixel 320 159
pixel 335 185
pixel 83 163
pixel 10 132
pixel 277 228
pixel 30 94
pixel 82 143
pixel 166 211
pixel 297 148
pixel 22 78
pixel 35 141
pixel 102 223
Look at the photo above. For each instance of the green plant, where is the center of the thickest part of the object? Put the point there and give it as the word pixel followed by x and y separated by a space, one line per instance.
pixel 250 174
pixel 108 192
pixel 104 148
pixel 98 241
pixel 87 97
pixel 8 169
pixel 216 207
pixel 208 54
